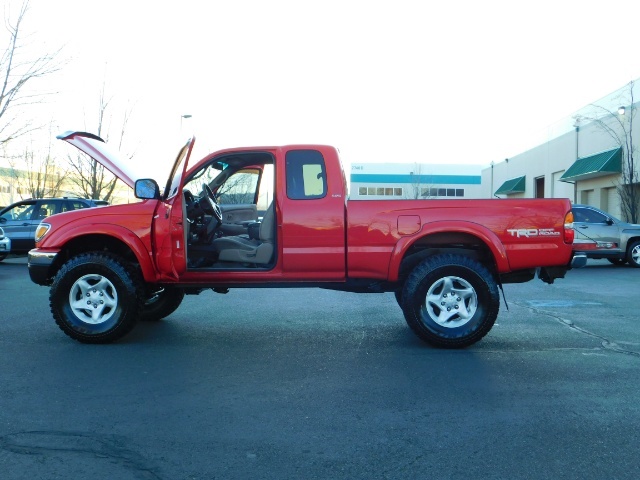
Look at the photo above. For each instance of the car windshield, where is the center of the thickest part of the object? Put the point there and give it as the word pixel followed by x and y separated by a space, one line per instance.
pixel 209 173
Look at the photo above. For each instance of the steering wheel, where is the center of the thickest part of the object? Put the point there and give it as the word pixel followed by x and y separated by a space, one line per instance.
pixel 214 207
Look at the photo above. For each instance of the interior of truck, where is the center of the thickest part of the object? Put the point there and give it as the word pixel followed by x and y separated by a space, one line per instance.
pixel 230 211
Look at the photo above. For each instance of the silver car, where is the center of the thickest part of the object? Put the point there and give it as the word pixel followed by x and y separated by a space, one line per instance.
pixel 5 245
pixel 600 235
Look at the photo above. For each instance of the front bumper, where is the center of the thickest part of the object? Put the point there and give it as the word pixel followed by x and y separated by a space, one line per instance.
pixel 39 264
pixel 5 245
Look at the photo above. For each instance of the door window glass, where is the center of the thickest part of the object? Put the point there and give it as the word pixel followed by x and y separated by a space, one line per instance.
pixel 240 188
pixel 45 209
pixel 23 211
pixel 587 215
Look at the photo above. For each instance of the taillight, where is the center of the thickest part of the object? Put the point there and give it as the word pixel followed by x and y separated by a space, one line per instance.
pixel 569 233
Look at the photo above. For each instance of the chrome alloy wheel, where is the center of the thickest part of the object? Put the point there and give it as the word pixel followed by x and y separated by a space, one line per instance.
pixel 93 299
pixel 635 254
pixel 451 302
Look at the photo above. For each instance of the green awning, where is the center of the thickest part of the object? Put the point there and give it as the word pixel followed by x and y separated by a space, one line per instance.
pixel 599 165
pixel 515 185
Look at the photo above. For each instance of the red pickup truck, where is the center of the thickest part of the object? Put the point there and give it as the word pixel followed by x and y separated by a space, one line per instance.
pixel 279 217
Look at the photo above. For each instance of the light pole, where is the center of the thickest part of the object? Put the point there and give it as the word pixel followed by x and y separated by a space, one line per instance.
pixel 575 183
pixel 186 116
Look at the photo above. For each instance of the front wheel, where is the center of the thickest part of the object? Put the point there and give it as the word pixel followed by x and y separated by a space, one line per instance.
pixel 3 256
pixel 450 301
pixel 633 254
pixel 94 298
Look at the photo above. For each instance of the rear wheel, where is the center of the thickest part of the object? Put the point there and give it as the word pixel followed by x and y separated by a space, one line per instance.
pixel 94 298
pixel 450 301
pixel 633 254
pixel 162 303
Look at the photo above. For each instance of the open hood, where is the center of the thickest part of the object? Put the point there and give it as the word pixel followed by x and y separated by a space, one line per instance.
pixel 97 149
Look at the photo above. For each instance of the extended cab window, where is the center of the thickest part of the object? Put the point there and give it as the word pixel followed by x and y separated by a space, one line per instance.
pixel 306 175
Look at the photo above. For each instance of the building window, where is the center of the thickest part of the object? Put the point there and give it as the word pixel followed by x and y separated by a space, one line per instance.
pixel 399 192
pixel 380 191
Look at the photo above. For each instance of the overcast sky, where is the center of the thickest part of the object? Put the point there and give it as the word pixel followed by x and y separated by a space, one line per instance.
pixel 437 82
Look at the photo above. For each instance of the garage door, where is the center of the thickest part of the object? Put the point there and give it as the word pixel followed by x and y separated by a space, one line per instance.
pixel 586 197
pixel 613 202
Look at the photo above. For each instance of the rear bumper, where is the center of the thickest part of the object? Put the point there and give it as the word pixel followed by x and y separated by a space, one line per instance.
pixel 579 260
pixel 549 274
pixel 39 264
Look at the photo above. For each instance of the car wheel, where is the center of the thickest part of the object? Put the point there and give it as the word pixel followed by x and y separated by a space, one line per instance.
pixel 633 254
pixel 162 303
pixel 450 301
pixel 94 298
pixel 617 261
pixel 3 256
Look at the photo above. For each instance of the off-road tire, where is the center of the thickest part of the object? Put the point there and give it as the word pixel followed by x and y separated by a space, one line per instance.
pixel 633 254
pixel 113 293
pixel 441 319
pixel 162 304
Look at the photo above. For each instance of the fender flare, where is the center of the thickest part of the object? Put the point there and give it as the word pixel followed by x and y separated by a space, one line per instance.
pixel 481 232
pixel 119 233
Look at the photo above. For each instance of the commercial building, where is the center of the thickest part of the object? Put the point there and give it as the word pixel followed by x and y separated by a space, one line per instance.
pixel 378 181
pixel 588 157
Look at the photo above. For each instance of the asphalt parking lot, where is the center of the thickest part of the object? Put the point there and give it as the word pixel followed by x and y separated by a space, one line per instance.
pixel 308 383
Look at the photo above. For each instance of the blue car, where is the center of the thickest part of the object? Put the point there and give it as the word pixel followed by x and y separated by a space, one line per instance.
pixel 21 219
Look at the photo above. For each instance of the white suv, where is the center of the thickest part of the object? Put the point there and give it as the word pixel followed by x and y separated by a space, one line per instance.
pixel 5 245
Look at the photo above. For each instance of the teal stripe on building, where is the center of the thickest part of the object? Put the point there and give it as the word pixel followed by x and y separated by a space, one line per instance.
pixel 417 179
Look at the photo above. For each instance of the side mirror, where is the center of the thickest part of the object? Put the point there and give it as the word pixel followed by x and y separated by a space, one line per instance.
pixel 146 189
pixel 609 221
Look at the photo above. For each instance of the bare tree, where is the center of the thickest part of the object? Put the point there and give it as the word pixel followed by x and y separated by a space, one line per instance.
pixel 414 191
pixel 17 72
pixel 90 178
pixel 619 126
pixel 40 176
pixel 418 189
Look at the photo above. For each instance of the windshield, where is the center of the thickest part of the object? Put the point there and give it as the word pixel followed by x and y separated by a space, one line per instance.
pixel 209 173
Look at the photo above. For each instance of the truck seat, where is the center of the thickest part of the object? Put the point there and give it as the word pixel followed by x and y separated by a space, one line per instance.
pixel 246 250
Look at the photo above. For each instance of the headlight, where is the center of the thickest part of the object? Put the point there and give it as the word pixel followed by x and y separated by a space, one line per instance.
pixel 41 231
